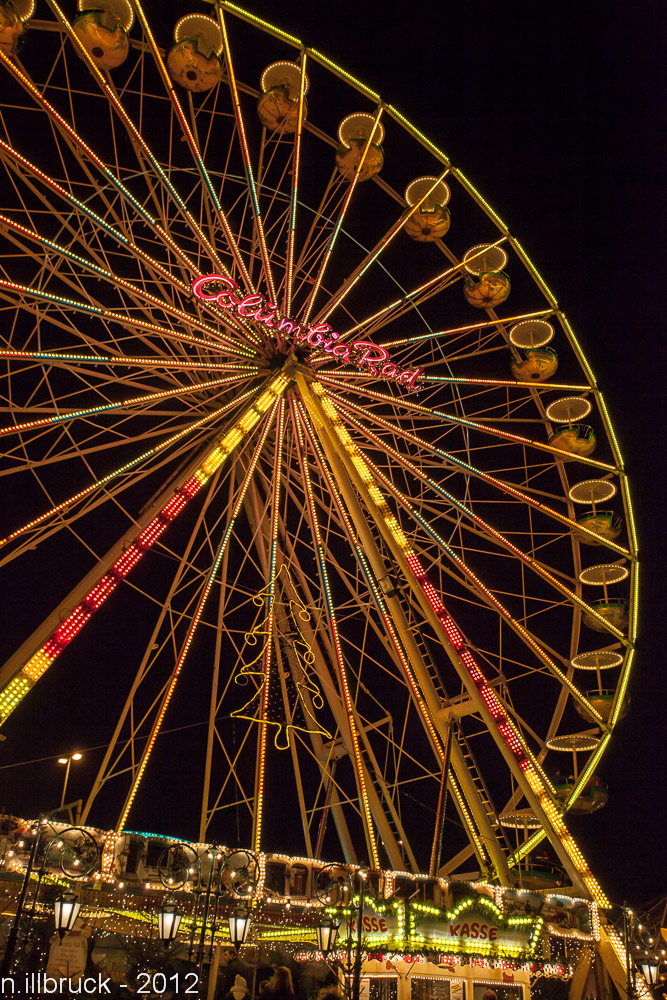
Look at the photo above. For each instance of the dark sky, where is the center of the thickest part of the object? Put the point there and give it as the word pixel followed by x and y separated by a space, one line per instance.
pixel 555 113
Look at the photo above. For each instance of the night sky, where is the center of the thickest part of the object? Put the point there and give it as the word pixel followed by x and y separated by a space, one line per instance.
pixel 555 113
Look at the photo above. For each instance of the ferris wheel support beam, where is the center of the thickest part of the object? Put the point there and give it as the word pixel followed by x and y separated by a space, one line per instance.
pixel 478 824
pixel 507 738
pixel 473 814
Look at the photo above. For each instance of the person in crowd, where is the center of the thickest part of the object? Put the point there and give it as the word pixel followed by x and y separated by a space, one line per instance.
pixel 279 986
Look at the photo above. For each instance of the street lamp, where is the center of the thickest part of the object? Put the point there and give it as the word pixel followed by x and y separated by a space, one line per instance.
pixel 66 910
pixel 327 932
pixel 168 920
pixel 68 761
pixel 239 925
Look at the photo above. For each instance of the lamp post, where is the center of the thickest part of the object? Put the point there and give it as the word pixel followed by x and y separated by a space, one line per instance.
pixel 68 762
pixel 356 969
pixel 12 937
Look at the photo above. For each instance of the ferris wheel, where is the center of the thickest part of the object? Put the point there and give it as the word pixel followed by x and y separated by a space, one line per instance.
pixel 290 399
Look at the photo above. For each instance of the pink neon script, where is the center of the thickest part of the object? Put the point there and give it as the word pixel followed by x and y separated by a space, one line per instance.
pixel 366 356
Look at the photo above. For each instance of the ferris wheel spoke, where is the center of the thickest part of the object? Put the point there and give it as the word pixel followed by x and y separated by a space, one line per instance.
pixel 140 296
pixel 62 512
pixel 467 328
pixel 86 156
pixel 254 200
pixel 341 218
pixel 450 459
pixel 172 364
pixel 494 536
pixel 192 146
pixel 196 618
pixel 473 812
pixel 492 600
pixel 338 297
pixel 419 294
pixel 10 291
pixel 137 139
pixel 143 401
pixel 296 167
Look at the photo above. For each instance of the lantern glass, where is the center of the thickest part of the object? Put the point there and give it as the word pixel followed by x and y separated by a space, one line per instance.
pixel 239 925
pixel 650 971
pixel 327 932
pixel 168 920
pixel 66 910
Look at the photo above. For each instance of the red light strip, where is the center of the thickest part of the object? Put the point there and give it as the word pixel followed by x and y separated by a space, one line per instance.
pixel 134 401
pixel 270 618
pixel 342 670
pixel 196 618
pixel 497 714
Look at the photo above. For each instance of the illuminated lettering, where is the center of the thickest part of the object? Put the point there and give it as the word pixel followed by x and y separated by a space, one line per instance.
pixel 370 355
pixel 369 358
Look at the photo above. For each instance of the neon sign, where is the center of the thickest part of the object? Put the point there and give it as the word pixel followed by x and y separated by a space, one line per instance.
pixel 368 357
